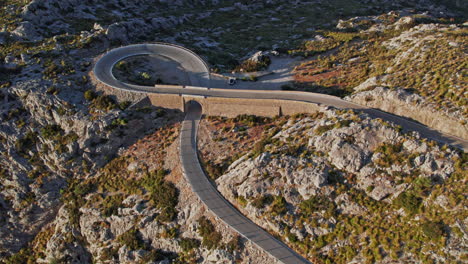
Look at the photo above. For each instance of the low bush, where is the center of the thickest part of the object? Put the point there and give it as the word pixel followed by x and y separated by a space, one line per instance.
pixel 251 120
pixel 163 194
pixel 188 244
pixel 111 204
pixel 253 66
pixel 279 206
pixel 132 239
pixel 52 69
pixel 90 95
pixel 259 147
pixel 322 129
pixel 316 204
pixel 392 154
pixel 23 145
pixel 422 186
pixel 262 201
pixel 410 202
pixel 215 171
pixel 234 245
pixel 433 230
pixel 104 103
pixel 51 132
pixel 211 237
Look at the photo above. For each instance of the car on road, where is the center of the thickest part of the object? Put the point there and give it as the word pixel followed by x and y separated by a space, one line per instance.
pixel 232 81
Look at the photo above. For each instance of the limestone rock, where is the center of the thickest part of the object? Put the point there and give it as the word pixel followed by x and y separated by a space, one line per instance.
pixel 27 31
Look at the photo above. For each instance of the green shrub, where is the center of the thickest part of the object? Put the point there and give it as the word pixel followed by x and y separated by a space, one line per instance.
pixel 124 105
pixel 122 65
pixel 213 170
pixel 261 201
pixel 188 244
pixel 292 238
pixel 14 113
pixel 322 129
pixel 259 147
pixel 342 123
pixel 392 154
pixel 234 245
pixel 433 230
pixel 53 90
pixel 211 237
pixel 145 76
pixel 111 204
pixel 241 200
pixel 422 185
pixel 317 203
pixel 132 239
pixel 3 172
pixel 51 132
pixel 163 194
pixel 90 95
pixel 25 255
pixel 410 202
pixel 279 206
pixel 24 144
pixel 251 120
pixel 172 232
pixel 104 103
pixel 51 71
pixel 252 66
pixel 83 189
pixel 156 255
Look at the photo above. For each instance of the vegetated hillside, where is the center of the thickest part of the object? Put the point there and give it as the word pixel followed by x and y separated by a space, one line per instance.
pixel 58 128
pixel 409 64
pixel 340 187
pixel 138 208
pixel 223 31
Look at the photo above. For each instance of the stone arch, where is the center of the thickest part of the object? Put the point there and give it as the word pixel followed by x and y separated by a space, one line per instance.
pixel 186 100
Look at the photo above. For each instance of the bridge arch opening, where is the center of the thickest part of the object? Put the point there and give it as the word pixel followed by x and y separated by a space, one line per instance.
pixel 192 106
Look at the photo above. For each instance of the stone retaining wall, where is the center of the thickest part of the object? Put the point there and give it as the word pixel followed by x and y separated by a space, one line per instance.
pixel 232 107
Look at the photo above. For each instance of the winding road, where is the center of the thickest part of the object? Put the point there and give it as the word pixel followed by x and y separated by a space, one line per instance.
pixel 199 76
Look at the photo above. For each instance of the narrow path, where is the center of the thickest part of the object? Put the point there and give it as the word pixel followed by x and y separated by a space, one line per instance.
pixel 210 196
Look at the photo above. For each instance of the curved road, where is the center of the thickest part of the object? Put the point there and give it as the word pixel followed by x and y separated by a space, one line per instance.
pixel 199 77
pixel 210 196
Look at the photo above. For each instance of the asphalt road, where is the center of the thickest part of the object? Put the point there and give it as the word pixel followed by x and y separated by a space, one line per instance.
pixel 200 78
pixel 210 196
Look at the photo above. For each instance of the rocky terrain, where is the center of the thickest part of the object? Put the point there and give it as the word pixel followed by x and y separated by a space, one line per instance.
pixel 137 209
pixel 83 167
pixel 406 63
pixel 340 187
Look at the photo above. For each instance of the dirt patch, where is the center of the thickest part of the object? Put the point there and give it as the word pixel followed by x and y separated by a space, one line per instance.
pixel 312 76
pixel 150 70
pixel 224 140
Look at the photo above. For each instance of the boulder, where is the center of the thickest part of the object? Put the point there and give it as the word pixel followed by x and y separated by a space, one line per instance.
pixel 259 56
pixel 348 157
pixel 404 23
pixel 369 83
pixel 219 256
pixel 117 32
pixel 27 31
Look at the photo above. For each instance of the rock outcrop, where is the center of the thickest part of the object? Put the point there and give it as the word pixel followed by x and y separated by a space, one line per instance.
pixel 404 103
pixel 308 176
